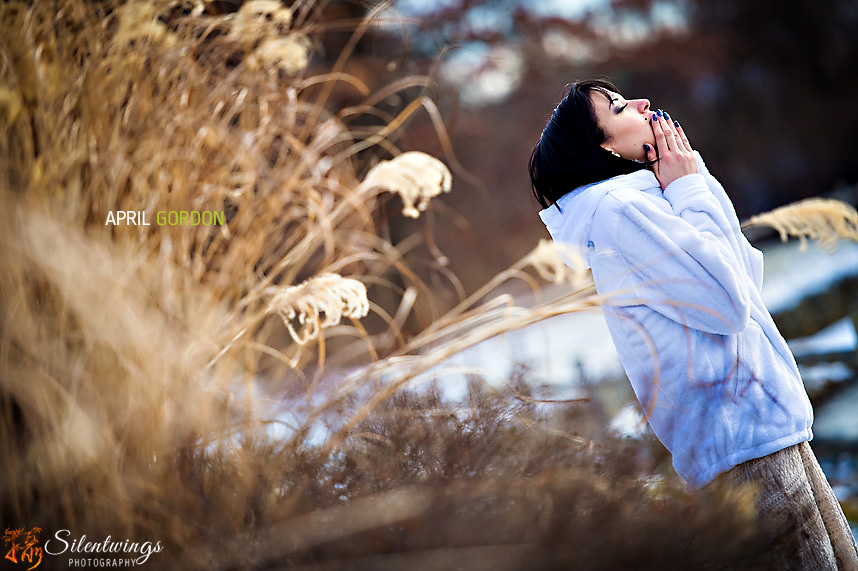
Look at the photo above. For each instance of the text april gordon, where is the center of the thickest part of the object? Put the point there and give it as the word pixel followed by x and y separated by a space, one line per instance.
pixel 166 218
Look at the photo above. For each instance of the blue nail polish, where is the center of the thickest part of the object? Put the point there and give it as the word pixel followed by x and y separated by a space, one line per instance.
pixel 646 147
pixel 655 117
pixel 675 123
pixel 666 116
pixel 658 111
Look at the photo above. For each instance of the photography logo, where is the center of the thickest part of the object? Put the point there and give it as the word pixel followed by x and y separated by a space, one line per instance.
pixel 24 549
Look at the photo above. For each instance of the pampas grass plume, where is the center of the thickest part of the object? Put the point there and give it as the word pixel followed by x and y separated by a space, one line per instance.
pixel 821 219
pixel 318 303
pixel 547 260
pixel 416 177
pixel 289 54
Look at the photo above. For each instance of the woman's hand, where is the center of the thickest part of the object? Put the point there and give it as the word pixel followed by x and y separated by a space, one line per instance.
pixel 673 156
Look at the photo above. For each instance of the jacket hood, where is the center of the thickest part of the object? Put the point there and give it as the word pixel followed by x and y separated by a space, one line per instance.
pixel 570 219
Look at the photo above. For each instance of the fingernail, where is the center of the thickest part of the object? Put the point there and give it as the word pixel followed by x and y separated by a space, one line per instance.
pixel 675 123
pixel 666 116
pixel 655 117
pixel 646 147
pixel 658 111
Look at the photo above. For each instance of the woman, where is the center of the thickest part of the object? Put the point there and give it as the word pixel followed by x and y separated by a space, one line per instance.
pixel 717 381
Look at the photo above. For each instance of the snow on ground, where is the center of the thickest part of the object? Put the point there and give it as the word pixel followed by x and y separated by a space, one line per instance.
pixel 558 352
pixel 791 275
pixel 837 337
pixel 837 420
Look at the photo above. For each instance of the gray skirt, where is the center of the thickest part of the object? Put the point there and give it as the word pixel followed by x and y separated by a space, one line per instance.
pixel 798 510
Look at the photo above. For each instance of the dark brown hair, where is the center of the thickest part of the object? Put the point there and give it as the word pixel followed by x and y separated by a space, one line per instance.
pixel 568 154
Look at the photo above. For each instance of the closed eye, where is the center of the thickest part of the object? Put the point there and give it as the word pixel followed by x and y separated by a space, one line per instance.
pixel 620 109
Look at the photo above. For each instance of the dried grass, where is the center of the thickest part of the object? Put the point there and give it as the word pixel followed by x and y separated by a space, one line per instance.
pixel 319 302
pixel 416 177
pixel 825 220
pixel 131 356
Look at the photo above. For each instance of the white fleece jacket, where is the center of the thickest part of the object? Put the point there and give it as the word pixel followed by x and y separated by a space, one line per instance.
pixel 713 374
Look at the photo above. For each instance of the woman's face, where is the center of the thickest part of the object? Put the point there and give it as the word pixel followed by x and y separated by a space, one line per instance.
pixel 625 122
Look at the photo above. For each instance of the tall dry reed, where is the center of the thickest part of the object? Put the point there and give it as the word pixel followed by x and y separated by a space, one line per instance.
pixel 131 355
pixel 823 219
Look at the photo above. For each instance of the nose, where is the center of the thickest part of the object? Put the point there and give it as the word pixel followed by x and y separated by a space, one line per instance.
pixel 642 105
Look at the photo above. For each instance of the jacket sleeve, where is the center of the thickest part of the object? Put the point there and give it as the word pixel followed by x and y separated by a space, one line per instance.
pixel 751 257
pixel 675 256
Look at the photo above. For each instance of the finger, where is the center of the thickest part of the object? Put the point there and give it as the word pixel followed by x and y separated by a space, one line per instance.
pixel 652 158
pixel 659 132
pixel 670 131
pixel 682 135
pixel 680 138
pixel 651 153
